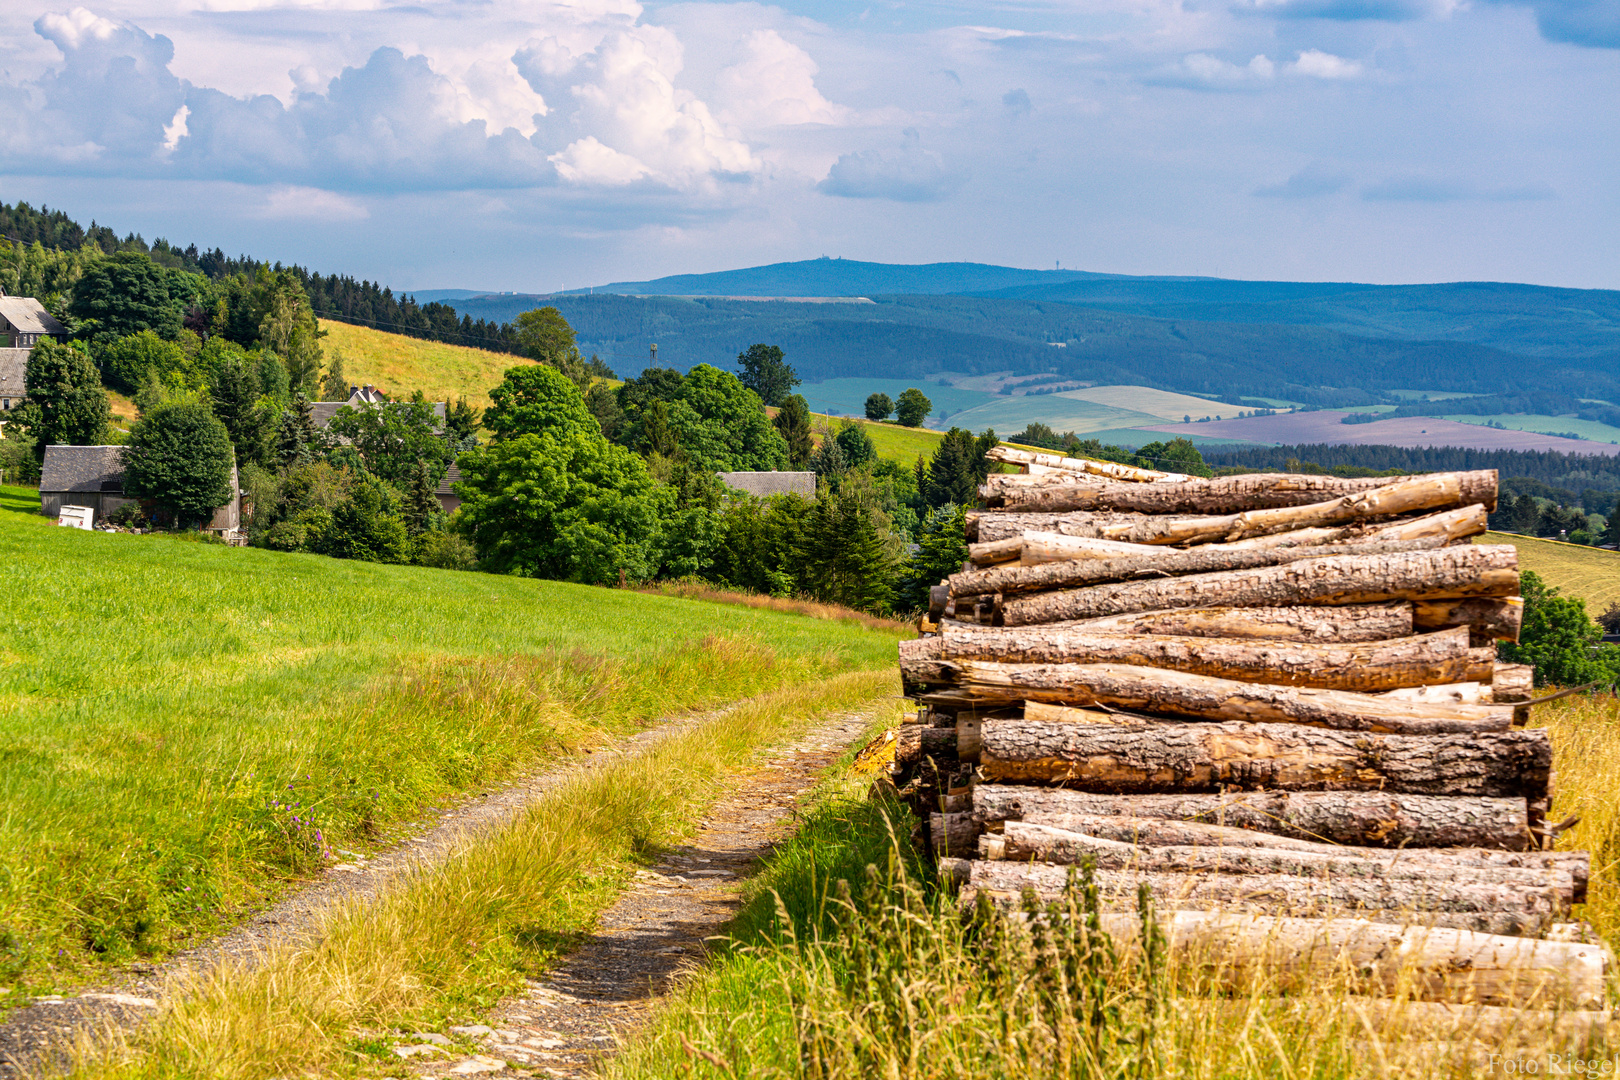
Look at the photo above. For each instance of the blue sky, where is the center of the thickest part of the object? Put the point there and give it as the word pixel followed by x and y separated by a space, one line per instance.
pixel 536 144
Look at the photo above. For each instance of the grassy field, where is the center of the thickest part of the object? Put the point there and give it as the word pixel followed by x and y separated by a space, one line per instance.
pixel 398 364
pixel 1546 425
pixel 850 963
pixel 186 727
pixel 1142 399
pixel 1591 574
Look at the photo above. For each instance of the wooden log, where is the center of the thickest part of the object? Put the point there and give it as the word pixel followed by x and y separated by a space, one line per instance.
pixel 1493 619
pixel 1422 660
pixel 1287 757
pixel 1463 693
pixel 1356 818
pixel 1354 622
pixel 1473 569
pixel 916 743
pixel 1463 905
pixel 1002 551
pixel 1043 842
pixel 1163 691
pixel 1434 964
pixel 1222 495
pixel 1009 455
pixel 1436 491
pixel 1512 682
pixel 1035 548
pixel 955 835
pixel 1068 714
pixel 1011 579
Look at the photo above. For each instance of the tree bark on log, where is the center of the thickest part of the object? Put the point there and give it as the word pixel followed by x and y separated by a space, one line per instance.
pixel 1287 757
pixel 1024 841
pixel 915 742
pixel 1373 667
pixel 1492 909
pixel 1160 564
pixel 1472 569
pixel 1163 691
pixel 1433 491
pixel 1008 455
pixel 1355 818
pixel 1488 620
pixel 1351 623
pixel 1429 963
pixel 1252 491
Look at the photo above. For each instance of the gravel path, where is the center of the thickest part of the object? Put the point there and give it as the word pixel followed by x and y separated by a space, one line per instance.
pixel 565 1023
pixel 29 1032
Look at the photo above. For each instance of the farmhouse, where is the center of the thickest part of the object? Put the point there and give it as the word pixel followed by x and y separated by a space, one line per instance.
pixel 322 412
pixel 765 484
pixel 23 322
pixel 93 476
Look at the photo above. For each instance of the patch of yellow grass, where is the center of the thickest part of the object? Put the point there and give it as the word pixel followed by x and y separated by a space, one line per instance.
pixel 398 365
pixel 1588 573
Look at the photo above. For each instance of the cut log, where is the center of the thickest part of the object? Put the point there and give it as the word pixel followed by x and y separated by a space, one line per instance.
pixel 1464 693
pixel 1024 841
pixel 915 743
pixel 1160 564
pixel 1512 682
pixel 1423 660
pixel 1253 491
pixel 1463 905
pixel 1009 455
pixel 1068 714
pixel 1472 569
pixel 1287 757
pixel 1487 619
pixel 1001 551
pixel 1163 691
pixel 1428 963
pixel 1043 547
pixel 1437 491
pixel 1354 622
pixel 1356 818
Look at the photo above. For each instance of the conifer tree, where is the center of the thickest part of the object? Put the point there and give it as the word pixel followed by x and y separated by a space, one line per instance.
pixel 421 503
pixel 793 421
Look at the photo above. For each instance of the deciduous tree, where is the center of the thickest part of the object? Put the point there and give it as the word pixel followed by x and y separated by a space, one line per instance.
pixel 766 373
pixel 179 455
pixel 913 407
pixel 65 404
pixel 878 406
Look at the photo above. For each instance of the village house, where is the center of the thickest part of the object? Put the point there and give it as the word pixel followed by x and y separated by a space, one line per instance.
pixel 23 322
pixel 765 484
pixel 322 412
pixel 93 476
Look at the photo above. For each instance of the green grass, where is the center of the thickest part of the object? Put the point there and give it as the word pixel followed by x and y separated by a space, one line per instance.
pixel 177 718
pixel 1588 573
pixel 398 364
pixel 1545 425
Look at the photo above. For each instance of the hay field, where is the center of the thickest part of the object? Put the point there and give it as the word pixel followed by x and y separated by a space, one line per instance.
pixel 1589 573
pixel 1161 403
pixel 398 364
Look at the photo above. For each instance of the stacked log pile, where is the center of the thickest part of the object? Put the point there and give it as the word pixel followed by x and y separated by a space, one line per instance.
pixel 1268 698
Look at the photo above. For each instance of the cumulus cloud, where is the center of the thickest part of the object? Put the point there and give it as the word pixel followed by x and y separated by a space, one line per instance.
pixel 1201 71
pixel 289 203
pixel 622 95
pixel 587 161
pixel 774 85
pixel 1310 182
pixel 1316 64
pixel 1592 23
pixel 910 174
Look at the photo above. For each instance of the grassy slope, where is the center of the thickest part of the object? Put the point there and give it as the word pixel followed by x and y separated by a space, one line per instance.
pixel 399 364
pixel 159 696
pixel 1591 574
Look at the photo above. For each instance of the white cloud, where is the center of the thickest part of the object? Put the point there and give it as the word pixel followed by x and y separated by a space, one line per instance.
pixel 775 85
pixel 1321 65
pixel 288 203
pixel 587 161
pixel 1203 71
pixel 176 129
pixel 910 174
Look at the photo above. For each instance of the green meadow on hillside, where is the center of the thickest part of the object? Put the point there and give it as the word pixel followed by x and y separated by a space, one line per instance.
pixel 184 726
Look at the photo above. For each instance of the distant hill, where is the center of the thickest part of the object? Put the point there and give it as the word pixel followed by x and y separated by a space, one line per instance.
pixel 846 277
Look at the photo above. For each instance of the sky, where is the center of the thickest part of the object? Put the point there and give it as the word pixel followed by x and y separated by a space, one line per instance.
pixel 535 145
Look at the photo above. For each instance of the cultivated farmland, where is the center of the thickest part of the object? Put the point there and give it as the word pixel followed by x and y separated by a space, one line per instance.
pixel 1412 431
pixel 1591 574
pixel 189 726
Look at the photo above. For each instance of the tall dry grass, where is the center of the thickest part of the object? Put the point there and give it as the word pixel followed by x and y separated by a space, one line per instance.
pixel 453 938
pixel 815 609
pixel 848 964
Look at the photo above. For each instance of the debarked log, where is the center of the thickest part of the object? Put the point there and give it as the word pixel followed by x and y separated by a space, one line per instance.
pixel 1352 622
pixel 1179 693
pixel 1463 905
pixel 1512 682
pixel 1471 569
pixel 1355 818
pixel 1287 757
pixel 1010 455
pixel 1225 494
pixel 1371 667
pixel 1429 963
pixel 1025 841
pixel 1160 564
pixel 1488 619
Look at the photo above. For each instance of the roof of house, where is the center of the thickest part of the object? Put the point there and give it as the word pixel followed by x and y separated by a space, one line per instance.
pixel 451 476
pixel 763 484
pixel 82 468
pixel 13 369
pixel 321 412
pixel 28 316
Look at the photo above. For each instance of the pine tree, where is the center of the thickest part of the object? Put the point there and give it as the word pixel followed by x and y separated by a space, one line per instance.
pixel 234 394
pixel 421 502
pixel 297 437
pixel 335 387
pixel 846 556
pixel 952 474
pixel 793 421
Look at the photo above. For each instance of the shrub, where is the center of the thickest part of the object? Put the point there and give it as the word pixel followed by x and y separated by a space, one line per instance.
pixel 179 456
pixel 445 551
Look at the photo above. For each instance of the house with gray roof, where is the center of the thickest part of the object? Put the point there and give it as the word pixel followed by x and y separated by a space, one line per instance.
pixel 765 484
pixel 23 323
pixel 93 476
pixel 322 412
